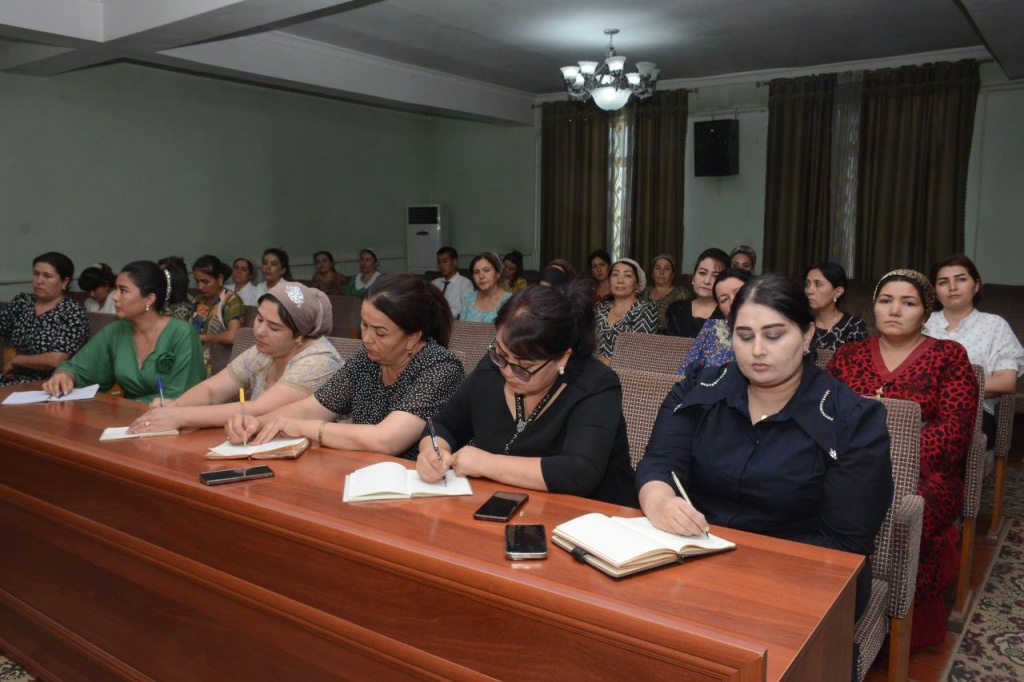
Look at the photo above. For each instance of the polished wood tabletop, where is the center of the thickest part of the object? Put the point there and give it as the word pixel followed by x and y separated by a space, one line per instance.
pixel 126 566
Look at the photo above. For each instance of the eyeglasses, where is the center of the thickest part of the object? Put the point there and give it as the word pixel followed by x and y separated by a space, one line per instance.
pixel 518 371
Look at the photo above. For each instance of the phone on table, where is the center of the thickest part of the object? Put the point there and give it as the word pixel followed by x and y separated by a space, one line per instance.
pixel 526 541
pixel 501 506
pixel 233 475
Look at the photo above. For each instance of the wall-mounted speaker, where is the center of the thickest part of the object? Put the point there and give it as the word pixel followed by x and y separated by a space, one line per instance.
pixel 716 147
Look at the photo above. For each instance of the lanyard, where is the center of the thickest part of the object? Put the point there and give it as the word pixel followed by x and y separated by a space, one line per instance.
pixel 521 423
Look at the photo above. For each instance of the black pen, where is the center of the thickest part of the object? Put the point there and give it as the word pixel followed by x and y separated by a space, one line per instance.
pixel 682 494
pixel 433 439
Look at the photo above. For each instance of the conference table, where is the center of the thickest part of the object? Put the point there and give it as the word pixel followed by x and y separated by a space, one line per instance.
pixel 119 564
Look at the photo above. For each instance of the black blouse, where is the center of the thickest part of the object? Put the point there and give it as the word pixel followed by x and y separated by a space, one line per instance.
pixel 581 436
pixel 63 328
pixel 679 319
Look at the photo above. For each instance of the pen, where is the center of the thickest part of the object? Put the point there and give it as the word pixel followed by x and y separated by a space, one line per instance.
pixel 160 387
pixel 241 399
pixel 433 439
pixel 682 494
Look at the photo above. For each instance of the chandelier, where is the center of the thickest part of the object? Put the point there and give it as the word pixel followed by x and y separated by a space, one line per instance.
pixel 608 84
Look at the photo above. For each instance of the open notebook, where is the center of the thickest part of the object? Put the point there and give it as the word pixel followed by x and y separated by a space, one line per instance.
pixel 393 481
pixel 623 546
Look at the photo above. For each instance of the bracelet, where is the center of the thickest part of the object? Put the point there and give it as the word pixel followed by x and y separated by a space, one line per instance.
pixel 320 435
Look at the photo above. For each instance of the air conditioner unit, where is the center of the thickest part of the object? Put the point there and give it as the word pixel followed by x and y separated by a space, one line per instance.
pixel 426 232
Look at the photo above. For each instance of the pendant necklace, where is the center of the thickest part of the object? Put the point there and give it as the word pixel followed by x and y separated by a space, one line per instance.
pixel 521 422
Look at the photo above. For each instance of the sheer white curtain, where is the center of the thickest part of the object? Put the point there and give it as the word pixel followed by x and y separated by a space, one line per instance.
pixel 845 153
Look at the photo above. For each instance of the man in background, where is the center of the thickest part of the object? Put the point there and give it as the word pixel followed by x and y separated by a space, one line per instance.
pixel 452 284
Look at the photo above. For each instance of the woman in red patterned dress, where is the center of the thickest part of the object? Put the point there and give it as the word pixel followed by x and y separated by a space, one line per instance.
pixel 903 363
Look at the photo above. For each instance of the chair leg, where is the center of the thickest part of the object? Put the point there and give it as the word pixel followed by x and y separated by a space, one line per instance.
pixel 964 594
pixel 995 528
pixel 899 646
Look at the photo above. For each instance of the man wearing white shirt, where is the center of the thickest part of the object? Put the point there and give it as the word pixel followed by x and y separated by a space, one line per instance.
pixel 452 284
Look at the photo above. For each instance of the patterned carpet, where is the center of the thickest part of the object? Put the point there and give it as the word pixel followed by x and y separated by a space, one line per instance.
pixel 12 672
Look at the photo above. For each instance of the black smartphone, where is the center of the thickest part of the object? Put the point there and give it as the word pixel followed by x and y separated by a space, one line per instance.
pixel 233 475
pixel 502 506
pixel 526 541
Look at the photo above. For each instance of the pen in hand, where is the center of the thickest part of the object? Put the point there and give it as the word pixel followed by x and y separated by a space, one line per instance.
pixel 682 494
pixel 433 439
pixel 160 388
pixel 241 399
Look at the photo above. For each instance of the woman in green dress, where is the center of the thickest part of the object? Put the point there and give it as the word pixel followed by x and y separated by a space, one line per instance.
pixel 142 348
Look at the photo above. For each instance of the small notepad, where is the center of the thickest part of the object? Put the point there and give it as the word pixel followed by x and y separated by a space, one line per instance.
pixel 121 433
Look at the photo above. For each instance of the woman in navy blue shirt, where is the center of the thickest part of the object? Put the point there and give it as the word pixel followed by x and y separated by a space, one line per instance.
pixel 769 443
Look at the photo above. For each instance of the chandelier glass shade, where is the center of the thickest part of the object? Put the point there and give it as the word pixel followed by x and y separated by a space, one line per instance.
pixel 607 83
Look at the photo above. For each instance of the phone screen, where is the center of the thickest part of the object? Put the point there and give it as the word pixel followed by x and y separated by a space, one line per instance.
pixel 232 475
pixel 501 506
pixel 526 541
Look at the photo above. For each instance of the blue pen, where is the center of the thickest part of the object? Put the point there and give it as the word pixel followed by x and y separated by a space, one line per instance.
pixel 160 387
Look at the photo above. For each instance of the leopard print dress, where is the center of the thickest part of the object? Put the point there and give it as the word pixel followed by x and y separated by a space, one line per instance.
pixel 938 376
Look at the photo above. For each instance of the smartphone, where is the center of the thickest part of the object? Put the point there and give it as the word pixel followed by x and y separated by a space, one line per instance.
pixel 525 541
pixel 502 506
pixel 232 475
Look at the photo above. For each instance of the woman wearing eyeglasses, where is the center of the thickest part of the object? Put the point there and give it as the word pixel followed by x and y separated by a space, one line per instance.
pixel 540 410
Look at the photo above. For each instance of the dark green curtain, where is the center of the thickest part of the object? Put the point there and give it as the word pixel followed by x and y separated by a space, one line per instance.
pixel 916 129
pixel 797 184
pixel 574 182
pixel 659 153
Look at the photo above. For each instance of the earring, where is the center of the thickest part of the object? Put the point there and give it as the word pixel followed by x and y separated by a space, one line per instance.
pixel 835 299
pixel 147 307
pixel 807 351
pixel 561 369
pixel 409 351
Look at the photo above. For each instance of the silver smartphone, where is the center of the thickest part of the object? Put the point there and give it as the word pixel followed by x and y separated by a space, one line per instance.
pixel 526 541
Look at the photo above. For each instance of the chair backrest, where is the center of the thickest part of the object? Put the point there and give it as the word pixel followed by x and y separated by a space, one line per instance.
pixel 346 347
pixel 250 316
pixel 650 352
pixel 346 313
pixel 98 321
pixel 642 396
pixel 471 339
pixel 979 374
pixel 245 338
pixel 903 420
pixel 218 355
pixel 824 355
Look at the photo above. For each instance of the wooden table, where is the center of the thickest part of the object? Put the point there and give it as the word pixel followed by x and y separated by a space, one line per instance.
pixel 119 564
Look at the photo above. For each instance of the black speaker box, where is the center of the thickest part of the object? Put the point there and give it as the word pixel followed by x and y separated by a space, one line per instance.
pixel 716 147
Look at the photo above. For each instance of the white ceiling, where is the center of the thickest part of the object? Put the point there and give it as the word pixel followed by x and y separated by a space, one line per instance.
pixel 492 59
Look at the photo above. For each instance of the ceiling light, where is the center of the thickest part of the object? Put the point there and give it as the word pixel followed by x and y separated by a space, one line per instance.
pixel 608 83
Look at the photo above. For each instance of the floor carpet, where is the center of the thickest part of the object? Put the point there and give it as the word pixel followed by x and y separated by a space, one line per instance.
pixel 12 672
pixel 992 645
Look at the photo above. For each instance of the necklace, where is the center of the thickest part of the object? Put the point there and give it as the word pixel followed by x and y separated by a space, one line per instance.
pixel 522 423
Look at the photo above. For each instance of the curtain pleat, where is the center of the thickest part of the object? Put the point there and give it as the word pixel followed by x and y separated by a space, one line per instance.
pixel 658 175
pixel 574 181
pixel 798 184
pixel 916 129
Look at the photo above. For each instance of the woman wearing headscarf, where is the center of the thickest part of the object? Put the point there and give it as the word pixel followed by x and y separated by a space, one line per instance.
pixel 901 362
pixel 291 358
pixel 624 312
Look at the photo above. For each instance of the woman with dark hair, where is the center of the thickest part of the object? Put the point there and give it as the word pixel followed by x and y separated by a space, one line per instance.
pixel 663 292
pixel 686 318
pixel 771 444
pixel 97 281
pixel 275 269
pixel 600 269
pixel 539 411
pixel 241 281
pixel 219 312
pixel 624 312
pixel 368 274
pixel 403 374
pixel 291 359
pixel 326 278
pixel 989 340
pixel 713 345
pixel 512 277
pixel 743 257
pixel 825 286
pixel 483 304
pixel 44 328
pixel 143 348
pixel 180 305
pixel 901 362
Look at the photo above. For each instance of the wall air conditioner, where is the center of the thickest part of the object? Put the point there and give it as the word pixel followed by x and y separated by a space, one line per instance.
pixel 426 232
